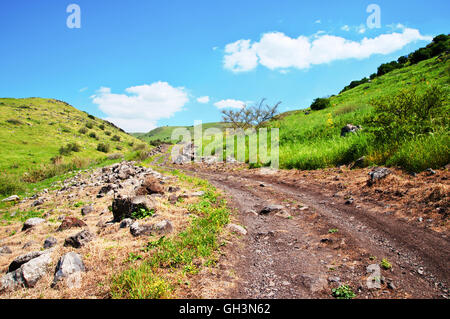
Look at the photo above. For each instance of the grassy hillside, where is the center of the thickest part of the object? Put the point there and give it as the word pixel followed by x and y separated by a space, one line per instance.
pixel 312 139
pixel 164 133
pixel 40 138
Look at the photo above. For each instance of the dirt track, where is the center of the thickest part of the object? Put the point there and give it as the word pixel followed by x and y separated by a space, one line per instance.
pixel 297 256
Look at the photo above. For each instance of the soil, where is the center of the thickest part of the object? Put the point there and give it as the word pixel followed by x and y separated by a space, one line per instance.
pixel 334 226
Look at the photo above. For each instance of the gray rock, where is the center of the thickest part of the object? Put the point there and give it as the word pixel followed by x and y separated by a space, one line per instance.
pixel 237 229
pixel 377 174
pixel 80 239
pixel 87 209
pixel 28 274
pixel 430 171
pixel 334 279
pixel 5 250
pixel 11 198
pixel 50 242
pixel 31 222
pixel 350 128
pixel 126 223
pixel 139 230
pixel 37 202
pixel 29 244
pixel 69 268
pixel 163 227
pixel 271 208
pixel 20 260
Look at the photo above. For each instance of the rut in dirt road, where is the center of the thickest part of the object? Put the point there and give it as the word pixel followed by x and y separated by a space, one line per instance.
pixel 297 257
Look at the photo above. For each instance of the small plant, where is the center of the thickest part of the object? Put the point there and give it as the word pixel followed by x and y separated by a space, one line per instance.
pixel 385 264
pixel 107 133
pixel 333 230
pixel 132 257
pixel 83 130
pixel 78 204
pixel 343 292
pixel 102 126
pixel 143 213
pixel 115 138
pixel 69 148
pixel 93 135
pixel 89 125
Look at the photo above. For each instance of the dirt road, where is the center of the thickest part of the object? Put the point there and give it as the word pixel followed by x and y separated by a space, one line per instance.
pixel 318 242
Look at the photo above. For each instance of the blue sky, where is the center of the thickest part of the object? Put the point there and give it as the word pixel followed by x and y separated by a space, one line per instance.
pixel 148 63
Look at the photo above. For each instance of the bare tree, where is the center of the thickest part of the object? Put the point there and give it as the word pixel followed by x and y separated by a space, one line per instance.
pixel 250 116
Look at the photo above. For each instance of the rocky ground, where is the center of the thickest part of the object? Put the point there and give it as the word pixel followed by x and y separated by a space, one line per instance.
pixel 296 234
pixel 86 230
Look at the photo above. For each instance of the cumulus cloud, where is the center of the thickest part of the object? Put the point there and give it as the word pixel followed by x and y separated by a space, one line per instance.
pixel 345 28
pixel 275 50
pixel 140 107
pixel 203 99
pixel 229 103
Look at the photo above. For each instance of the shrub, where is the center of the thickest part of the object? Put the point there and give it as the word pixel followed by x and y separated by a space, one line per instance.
pixel 108 133
pixel 89 125
pixel 320 104
pixel 10 184
pixel 408 114
pixel 83 130
pixel 14 121
pixel 115 138
pixel 140 147
pixel 102 147
pixel 420 55
pixel 93 135
pixel 343 292
pixel 102 126
pixel 91 116
pixel 69 148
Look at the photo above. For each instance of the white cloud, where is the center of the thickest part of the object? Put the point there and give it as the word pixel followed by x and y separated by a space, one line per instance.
pixel 275 50
pixel 139 109
pixel 229 103
pixel 345 28
pixel 318 21
pixel 361 29
pixel 203 99
pixel 82 89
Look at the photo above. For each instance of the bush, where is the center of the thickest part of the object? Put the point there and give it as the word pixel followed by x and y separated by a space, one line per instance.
pixel 107 133
pixel 10 184
pixel 420 55
pixel 89 125
pixel 407 114
pixel 93 135
pixel 102 127
pixel 14 121
pixel 91 116
pixel 69 148
pixel 115 138
pixel 320 104
pixel 102 147
pixel 83 130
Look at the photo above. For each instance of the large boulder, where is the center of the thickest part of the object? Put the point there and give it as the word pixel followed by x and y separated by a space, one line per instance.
pixel 28 274
pixel 69 268
pixel 123 207
pixel 23 259
pixel 160 228
pixel 87 209
pixel 5 250
pixel 31 222
pixel 50 242
pixel 78 240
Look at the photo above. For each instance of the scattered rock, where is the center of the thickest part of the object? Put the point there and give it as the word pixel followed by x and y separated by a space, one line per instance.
pixel 377 174
pixel 12 198
pixel 163 227
pixel 37 202
pixel 78 240
pixel 334 279
pixel 283 214
pixel 5 250
pixel 69 267
pixel 271 208
pixel 125 223
pixel 350 128
pixel 50 242
pixel 173 199
pixel 87 209
pixel 237 229
pixel 71 222
pixel 31 222
pixel 150 186
pixel 29 244
pixel 349 201
pixel 314 284
pixel 430 171
pixel 138 230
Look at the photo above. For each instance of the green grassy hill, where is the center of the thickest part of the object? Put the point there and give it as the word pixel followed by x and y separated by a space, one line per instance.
pixel 35 134
pixel 164 133
pixel 311 141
